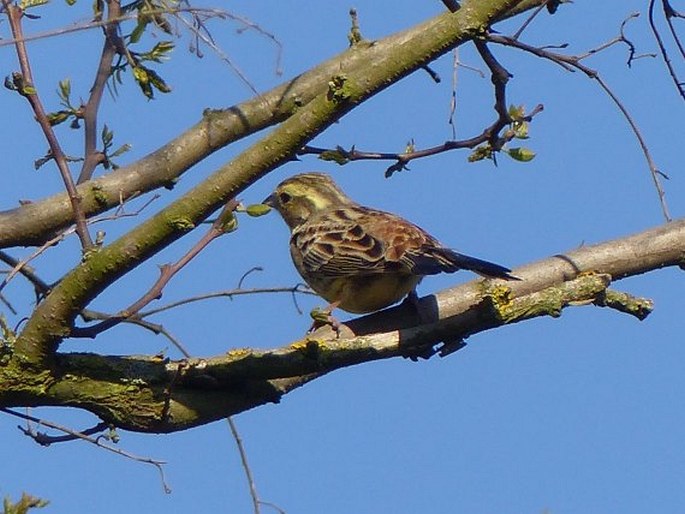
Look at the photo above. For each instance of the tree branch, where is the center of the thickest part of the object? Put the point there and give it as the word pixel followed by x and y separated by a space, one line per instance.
pixel 25 86
pixel 400 54
pixel 151 394
pixel 90 111
pixel 392 59
pixel 570 63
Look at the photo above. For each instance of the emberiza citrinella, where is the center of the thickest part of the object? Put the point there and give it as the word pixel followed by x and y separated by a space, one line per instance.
pixel 357 258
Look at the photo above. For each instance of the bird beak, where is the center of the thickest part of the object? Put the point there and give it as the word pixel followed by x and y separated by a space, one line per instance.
pixel 270 201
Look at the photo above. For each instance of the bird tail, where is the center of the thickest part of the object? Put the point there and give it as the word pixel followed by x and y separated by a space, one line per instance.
pixel 444 260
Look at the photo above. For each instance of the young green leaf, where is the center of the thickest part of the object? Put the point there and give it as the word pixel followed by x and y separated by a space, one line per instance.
pixel 521 154
pixel 257 209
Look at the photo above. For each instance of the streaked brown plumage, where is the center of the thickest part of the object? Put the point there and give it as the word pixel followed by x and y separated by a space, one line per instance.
pixel 360 259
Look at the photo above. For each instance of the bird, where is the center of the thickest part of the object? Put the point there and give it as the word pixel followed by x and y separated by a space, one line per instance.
pixel 357 258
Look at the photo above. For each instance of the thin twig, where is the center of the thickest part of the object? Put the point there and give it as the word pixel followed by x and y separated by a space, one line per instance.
pixel 453 93
pixel 528 21
pixel 491 135
pixel 167 272
pixel 44 439
pixel 405 157
pixel 207 40
pixel 94 24
pixel 246 466
pixel 200 15
pixel 120 213
pixel 8 304
pixel 27 89
pixel 196 27
pixel 654 171
pixel 573 62
pixel 92 158
pixel 38 251
pixel 621 38
pixel 456 64
pixel 296 289
pixel 40 287
pixel 96 441
pixel 247 273
pixel 669 13
pixel 662 48
pixel 155 328
pixel 38 283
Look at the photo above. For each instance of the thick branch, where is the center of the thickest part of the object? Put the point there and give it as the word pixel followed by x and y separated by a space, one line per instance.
pixel 150 394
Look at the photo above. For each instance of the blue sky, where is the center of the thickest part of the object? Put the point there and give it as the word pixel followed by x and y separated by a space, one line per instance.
pixel 578 414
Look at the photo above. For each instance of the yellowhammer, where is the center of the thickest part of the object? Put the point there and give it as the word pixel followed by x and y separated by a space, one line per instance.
pixel 357 258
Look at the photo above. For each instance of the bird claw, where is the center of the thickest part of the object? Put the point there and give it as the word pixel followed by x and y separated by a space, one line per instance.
pixel 412 299
pixel 323 317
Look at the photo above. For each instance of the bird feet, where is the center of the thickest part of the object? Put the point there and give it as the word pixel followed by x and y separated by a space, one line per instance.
pixel 412 299
pixel 322 317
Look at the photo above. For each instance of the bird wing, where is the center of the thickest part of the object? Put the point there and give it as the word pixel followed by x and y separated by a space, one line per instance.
pixel 349 241
pixel 358 240
pixel 415 251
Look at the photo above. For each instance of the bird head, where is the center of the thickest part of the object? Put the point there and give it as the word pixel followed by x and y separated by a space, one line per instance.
pixel 299 198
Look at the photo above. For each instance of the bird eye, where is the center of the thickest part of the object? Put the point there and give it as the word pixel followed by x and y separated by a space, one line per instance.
pixel 284 198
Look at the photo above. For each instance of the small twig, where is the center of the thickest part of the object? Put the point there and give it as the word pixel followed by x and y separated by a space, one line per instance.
pixel 621 38
pixel 432 73
pixel 453 94
pixel 120 213
pixel 354 155
pixel 256 502
pixel 44 439
pixel 528 21
pixel 24 262
pixel 96 441
pixel 197 27
pixel 297 289
pixel 90 110
pixel 456 64
pixel 27 90
pixel 662 46
pixel 246 466
pixel 626 303
pixel 273 506
pixel 355 34
pixel 669 13
pixel 41 287
pixel 155 328
pixel 248 272
pixel 499 77
pixel 8 304
pixel 201 14
pixel 342 156
pixel 222 55
pixel 573 63
pixel 491 135
pixel 631 46
pixel 221 226
pixel 205 12
pixel 654 171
